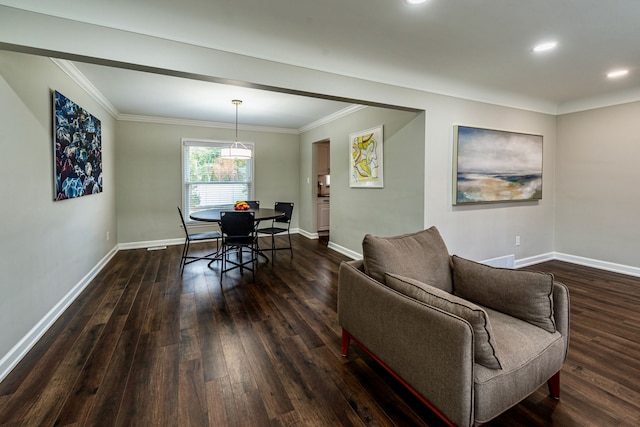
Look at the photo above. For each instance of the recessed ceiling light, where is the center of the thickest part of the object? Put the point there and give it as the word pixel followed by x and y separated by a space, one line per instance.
pixel 414 1
pixel 545 46
pixel 617 73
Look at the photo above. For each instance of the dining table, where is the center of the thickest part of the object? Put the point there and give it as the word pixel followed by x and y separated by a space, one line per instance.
pixel 213 214
pixel 260 214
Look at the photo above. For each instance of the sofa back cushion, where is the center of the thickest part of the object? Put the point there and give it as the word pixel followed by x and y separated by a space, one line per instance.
pixel 526 295
pixel 485 352
pixel 422 256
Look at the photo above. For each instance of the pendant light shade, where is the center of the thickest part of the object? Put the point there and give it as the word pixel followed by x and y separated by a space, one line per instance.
pixel 237 150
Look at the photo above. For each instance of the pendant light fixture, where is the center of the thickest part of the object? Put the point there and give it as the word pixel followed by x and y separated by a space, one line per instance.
pixel 237 150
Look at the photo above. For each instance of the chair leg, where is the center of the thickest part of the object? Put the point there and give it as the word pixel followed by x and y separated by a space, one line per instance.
pixel 290 247
pixel 346 340
pixel 223 262
pixel 273 247
pixel 254 259
pixel 217 253
pixel 185 251
pixel 554 386
pixel 251 253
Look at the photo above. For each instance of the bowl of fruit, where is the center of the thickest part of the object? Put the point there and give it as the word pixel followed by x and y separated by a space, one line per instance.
pixel 241 206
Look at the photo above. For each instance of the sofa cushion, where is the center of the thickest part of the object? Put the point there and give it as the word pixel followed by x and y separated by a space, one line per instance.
pixel 529 357
pixel 422 256
pixel 485 350
pixel 527 295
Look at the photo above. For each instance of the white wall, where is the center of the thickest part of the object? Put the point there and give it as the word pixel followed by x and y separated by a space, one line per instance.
pixel 46 247
pixel 598 203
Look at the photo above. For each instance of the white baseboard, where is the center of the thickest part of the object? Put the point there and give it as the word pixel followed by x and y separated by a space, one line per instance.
pixel 587 262
pixel 331 245
pixel 13 357
pixel 536 259
pixel 295 231
pixel 308 234
pixel 150 244
pixel 602 265
pixel 344 251
pixel 507 261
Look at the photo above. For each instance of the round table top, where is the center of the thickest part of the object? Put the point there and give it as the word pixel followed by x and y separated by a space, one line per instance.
pixel 213 215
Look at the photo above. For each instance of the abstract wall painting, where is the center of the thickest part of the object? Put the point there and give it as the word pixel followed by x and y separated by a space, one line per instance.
pixel 78 150
pixel 496 166
pixel 365 159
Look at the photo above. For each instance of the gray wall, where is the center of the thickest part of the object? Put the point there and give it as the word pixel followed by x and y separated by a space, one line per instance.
pixel 148 157
pixel 46 247
pixel 418 174
pixel 597 203
pixel 482 232
pixel 396 208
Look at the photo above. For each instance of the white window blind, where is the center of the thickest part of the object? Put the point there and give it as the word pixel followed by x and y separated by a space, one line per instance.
pixel 209 180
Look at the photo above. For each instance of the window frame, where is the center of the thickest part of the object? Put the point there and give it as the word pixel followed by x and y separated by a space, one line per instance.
pixel 191 142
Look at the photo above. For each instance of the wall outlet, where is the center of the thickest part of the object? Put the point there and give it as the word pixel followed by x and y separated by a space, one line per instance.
pixel 107 235
pixel 517 240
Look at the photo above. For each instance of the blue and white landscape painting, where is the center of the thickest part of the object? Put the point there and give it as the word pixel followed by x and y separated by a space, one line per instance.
pixel 497 166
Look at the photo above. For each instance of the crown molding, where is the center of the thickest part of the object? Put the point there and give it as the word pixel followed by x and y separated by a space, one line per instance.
pixel 592 103
pixel 75 74
pixel 331 117
pixel 202 123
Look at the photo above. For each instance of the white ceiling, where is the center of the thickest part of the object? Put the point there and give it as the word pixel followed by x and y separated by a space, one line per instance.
pixel 137 93
pixel 475 49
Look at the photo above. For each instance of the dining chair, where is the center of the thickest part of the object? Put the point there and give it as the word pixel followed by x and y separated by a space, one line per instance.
pixel 287 208
pixel 196 237
pixel 254 204
pixel 238 232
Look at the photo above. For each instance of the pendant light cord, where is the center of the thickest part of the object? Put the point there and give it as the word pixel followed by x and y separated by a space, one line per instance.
pixel 236 102
pixel 236 121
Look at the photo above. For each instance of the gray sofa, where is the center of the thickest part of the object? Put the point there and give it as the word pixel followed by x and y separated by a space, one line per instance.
pixel 469 340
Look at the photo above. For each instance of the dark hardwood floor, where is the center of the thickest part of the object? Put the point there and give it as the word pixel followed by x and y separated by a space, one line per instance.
pixel 143 346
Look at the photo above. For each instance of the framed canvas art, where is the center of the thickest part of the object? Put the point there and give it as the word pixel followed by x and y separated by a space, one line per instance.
pixel 496 166
pixel 77 150
pixel 365 159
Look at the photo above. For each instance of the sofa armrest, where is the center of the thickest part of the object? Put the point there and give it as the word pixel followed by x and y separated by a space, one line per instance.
pixel 429 348
pixel 561 312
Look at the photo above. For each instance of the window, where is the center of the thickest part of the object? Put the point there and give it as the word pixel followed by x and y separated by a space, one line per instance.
pixel 208 180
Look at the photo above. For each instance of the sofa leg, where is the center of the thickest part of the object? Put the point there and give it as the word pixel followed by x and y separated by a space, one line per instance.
pixel 346 339
pixel 554 386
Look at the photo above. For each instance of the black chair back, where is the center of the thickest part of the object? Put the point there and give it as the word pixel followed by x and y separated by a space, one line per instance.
pixel 254 204
pixel 285 207
pixel 237 226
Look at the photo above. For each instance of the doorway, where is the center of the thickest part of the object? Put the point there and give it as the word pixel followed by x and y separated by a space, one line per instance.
pixel 322 188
